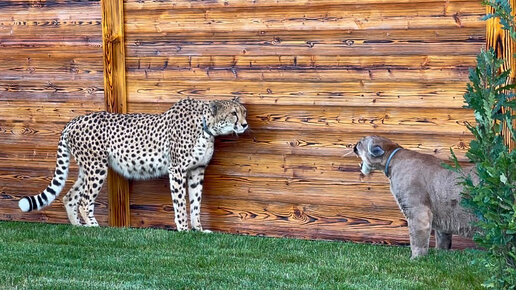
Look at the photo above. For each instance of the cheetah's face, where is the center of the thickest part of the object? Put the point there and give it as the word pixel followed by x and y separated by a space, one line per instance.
pixel 230 117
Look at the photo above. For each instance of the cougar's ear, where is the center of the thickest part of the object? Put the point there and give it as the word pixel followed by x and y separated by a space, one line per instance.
pixel 236 99
pixel 215 108
pixel 376 151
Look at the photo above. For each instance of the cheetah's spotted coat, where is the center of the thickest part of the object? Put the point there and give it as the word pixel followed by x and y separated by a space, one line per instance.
pixel 179 142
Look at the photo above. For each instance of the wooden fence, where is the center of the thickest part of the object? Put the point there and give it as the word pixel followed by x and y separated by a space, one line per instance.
pixel 315 77
pixel 51 70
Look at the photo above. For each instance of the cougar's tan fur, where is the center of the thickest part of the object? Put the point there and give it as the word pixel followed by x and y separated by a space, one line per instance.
pixel 427 193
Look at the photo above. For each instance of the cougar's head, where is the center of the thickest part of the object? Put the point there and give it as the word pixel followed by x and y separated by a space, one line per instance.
pixel 374 151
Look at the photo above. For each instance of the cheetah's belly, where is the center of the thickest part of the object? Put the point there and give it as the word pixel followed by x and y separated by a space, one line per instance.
pixel 140 167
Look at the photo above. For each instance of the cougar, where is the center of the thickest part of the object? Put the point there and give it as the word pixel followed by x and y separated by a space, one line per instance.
pixel 427 194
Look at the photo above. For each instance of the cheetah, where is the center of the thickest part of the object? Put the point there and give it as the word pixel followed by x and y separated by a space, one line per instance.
pixel 178 142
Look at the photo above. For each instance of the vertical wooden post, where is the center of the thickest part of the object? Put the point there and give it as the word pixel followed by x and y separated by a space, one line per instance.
pixel 116 100
pixel 505 47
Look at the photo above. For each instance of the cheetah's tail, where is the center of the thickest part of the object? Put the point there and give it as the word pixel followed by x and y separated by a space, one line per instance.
pixel 37 202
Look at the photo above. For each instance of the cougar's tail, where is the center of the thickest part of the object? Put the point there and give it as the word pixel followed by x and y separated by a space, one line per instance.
pixel 37 202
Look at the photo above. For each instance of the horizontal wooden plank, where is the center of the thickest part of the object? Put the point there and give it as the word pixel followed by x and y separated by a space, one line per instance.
pixel 50 15
pixel 349 37
pixel 291 62
pixel 299 75
pixel 158 48
pixel 32 73
pixel 300 12
pixel 321 143
pixel 15 35
pixel 356 16
pixel 291 166
pixel 33 177
pixel 158 4
pixel 53 91
pixel 350 93
pixel 57 112
pixel 51 69
pixel 300 22
pixel 68 64
pixel 26 134
pixel 274 37
pixel 50 50
pixel 348 119
pixel 62 4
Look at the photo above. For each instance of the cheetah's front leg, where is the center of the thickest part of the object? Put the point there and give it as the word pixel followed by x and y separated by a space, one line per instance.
pixel 177 188
pixel 195 182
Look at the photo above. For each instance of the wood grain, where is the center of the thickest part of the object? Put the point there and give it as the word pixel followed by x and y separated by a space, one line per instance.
pixel 349 93
pixel 116 100
pixel 505 48
pixel 348 119
pixel 312 4
pixel 315 76
pixel 50 72
pixel 241 205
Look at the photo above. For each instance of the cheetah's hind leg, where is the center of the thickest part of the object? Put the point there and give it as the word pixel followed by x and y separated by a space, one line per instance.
pixel 71 200
pixel 93 181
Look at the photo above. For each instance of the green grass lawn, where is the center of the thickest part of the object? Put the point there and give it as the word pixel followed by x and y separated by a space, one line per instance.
pixel 36 255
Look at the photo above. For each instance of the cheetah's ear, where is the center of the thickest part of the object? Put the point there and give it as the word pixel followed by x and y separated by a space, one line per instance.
pixel 236 99
pixel 215 107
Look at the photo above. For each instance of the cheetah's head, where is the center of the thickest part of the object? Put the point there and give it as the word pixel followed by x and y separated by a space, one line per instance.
pixel 229 117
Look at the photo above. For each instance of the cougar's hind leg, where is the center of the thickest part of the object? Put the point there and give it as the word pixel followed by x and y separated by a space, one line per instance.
pixel 420 227
pixel 443 240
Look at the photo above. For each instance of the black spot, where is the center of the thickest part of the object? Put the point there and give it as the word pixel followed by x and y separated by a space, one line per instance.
pixel 44 196
pixel 56 183
pixel 51 191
